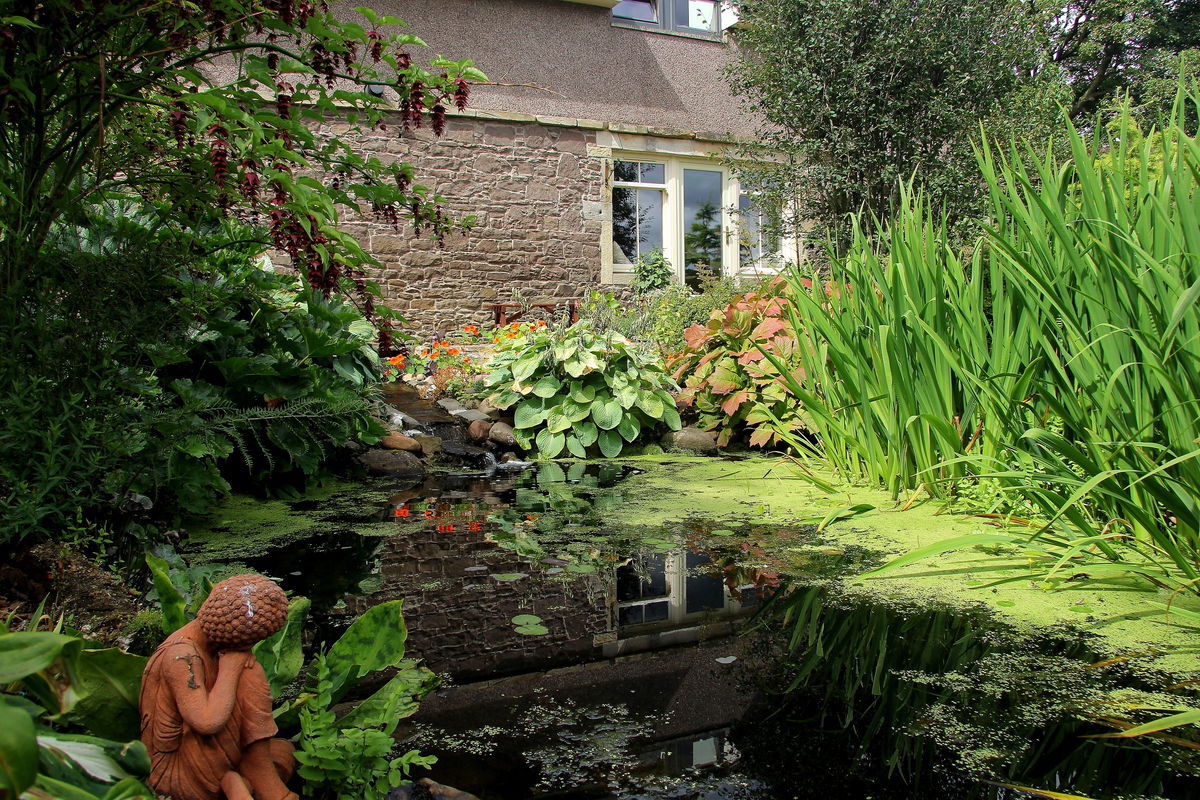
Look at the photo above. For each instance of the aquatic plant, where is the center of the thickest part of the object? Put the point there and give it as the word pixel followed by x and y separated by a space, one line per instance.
pixel 913 683
pixel 1057 358
pixel 572 388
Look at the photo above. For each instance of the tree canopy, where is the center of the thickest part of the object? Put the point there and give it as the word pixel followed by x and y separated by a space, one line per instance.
pixel 196 109
pixel 865 94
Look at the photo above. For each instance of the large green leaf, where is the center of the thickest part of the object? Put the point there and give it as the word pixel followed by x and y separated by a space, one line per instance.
pixel 281 654
pixel 103 760
pixel 547 386
pixel 18 750
pixel 174 614
pixel 549 444
pixel 671 417
pixel 395 700
pixel 582 393
pixel 556 421
pixel 650 403
pixel 575 447
pixel 627 396
pixel 610 443
pixel 108 682
pixel 606 413
pixel 575 411
pixel 526 365
pixel 629 428
pixel 586 432
pixel 530 413
pixel 375 641
pixel 27 652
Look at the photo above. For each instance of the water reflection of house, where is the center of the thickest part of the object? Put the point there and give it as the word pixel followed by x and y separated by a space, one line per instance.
pixel 673 598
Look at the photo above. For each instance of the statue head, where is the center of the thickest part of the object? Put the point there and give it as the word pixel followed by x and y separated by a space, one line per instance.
pixel 242 610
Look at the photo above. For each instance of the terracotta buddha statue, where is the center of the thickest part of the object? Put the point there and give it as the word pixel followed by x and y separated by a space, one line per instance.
pixel 206 703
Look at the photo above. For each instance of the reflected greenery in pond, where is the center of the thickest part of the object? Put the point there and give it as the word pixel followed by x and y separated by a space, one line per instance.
pixel 914 686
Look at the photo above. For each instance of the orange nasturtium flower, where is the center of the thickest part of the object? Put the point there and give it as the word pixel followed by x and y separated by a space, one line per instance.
pixel 472 329
pixel 453 351
pixel 424 351
pixel 442 343
pixel 496 340
pixel 397 361
pixel 433 354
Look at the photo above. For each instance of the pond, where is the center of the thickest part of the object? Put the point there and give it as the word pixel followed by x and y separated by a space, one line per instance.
pixel 584 656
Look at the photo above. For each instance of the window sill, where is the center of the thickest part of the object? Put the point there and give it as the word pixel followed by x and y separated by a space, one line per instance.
pixel 647 28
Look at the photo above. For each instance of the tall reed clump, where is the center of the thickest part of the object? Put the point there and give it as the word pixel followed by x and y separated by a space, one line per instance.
pixel 1056 359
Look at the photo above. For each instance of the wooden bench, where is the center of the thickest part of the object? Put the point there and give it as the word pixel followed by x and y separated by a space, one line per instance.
pixel 505 313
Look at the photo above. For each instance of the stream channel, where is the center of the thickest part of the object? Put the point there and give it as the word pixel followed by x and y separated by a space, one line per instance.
pixel 584 658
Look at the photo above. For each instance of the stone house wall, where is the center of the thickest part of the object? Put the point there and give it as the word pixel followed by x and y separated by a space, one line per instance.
pixel 536 196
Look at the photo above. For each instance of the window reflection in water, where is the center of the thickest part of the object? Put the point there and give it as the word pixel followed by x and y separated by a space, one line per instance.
pixel 678 588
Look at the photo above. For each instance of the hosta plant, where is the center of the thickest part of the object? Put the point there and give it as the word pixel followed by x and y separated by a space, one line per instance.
pixel 730 381
pixel 573 389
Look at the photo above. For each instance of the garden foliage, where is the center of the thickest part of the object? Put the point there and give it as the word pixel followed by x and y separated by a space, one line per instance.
pixel 205 371
pixel 728 379
pixel 1057 359
pixel 129 132
pixel 656 319
pixel 572 390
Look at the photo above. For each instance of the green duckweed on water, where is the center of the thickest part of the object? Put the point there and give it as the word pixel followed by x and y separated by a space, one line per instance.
pixel 1119 611
pixel 739 500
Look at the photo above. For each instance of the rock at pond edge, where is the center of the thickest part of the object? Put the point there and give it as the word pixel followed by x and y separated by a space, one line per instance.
pixel 479 430
pixel 690 439
pixel 379 461
pixel 502 434
pixel 398 441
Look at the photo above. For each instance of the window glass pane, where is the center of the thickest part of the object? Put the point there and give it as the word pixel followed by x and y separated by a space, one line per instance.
pixel 654 173
pixel 643 10
pixel 637 222
pixel 657 612
pixel 655 582
pixel 639 172
pixel 696 14
pixel 749 244
pixel 625 171
pixel 702 591
pixel 701 224
pixel 638 580
pixel 629 615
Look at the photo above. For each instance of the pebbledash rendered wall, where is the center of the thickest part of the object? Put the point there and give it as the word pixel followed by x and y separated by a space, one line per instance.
pixel 530 159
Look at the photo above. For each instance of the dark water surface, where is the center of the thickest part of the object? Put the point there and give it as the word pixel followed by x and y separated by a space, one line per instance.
pixel 584 658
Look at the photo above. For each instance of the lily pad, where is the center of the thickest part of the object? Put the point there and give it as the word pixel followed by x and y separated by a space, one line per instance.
pixel 507 577
pixel 526 619
pixel 723 532
pixel 532 630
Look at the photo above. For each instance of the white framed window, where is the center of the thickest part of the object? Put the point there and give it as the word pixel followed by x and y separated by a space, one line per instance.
pixel 704 18
pixel 692 210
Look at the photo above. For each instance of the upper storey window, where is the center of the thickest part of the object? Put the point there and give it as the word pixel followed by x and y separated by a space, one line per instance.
pixel 697 17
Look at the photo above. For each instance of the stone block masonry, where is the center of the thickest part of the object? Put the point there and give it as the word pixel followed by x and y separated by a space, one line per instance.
pixel 532 188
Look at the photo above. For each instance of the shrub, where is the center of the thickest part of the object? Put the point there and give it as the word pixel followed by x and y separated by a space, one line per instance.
pixel 655 320
pixel 576 389
pixel 156 387
pixel 652 271
pixel 272 372
pixel 730 381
